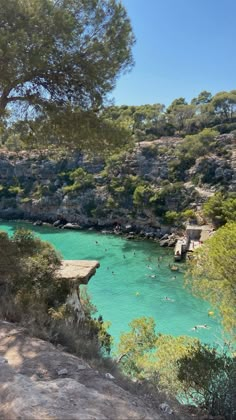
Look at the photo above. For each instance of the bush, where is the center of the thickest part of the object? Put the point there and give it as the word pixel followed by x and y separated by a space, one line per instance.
pixel 32 295
pixel 171 217
pixel 182 366
pixel 221 209
pixel 81 181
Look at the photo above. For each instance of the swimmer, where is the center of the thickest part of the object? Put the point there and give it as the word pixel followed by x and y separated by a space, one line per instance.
pixel 173 278
pixel 137 294
pixel 168 299
pixel 194 328
pixel 202 326
pixel 124 256
pixel 96 242
pixel 134 253
pixel 113 273
pixel 148 266
pixel 153 276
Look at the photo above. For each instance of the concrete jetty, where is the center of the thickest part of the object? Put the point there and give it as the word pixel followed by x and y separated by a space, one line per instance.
pixel 195 236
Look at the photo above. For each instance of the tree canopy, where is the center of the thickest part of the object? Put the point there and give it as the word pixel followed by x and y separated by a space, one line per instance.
pixel 58 61
pixel 213 274
pixel 57 52
pixel 182 366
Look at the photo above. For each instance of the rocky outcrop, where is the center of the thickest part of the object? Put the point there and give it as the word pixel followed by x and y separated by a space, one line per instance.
pixel 37 186
pixel 76 272
pixel 40 382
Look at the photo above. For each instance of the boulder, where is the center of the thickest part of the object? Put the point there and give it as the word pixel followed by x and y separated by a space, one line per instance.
pixel 74 226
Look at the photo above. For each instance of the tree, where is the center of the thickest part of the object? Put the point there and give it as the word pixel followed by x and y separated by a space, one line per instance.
pixel 224 105
pixel 60 52
pixel 58 61
pixel 213 274
pixel 221 209
pixel 204 97
pixel 182 366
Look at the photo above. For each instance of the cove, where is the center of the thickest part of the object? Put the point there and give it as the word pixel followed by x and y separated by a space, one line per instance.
pixel 133 280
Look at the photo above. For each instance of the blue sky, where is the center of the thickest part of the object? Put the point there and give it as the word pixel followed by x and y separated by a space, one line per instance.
pixel 182 48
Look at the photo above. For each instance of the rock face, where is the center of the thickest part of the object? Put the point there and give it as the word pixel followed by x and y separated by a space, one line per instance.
pixel 76 272
pixel 39 382
pixel 38 186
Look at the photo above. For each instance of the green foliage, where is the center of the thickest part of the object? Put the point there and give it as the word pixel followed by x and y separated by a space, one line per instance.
pixel 181 366
pixel 81 181
pixel 171 193
pixel 224 104
pixel 213 274
pixel 142 195
pixel 171 217
pixel 10 191
pixel 40 40
pixel 190 149
pixel 143 122
pixel 188 214
pixel 28 266
pixel 221 209
pixel 15 189
pixel 61 59
pixel 33 295
pixel 136 344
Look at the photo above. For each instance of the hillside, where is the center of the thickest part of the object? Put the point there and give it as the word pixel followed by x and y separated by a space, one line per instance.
pixel 148 187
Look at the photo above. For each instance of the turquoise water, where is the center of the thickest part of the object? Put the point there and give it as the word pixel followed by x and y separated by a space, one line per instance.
pixel 123 288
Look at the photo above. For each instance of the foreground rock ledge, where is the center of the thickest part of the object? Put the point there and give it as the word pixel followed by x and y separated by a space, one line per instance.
pixel 40 382
pixel 79 271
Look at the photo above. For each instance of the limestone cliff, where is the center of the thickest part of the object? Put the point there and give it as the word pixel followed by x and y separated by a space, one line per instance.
pixel 37 185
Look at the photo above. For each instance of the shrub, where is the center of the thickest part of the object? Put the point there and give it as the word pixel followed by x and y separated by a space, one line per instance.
pixel 182 366
pixel 31 294
pixel 81 181
pixel 171 217
pixel 221 209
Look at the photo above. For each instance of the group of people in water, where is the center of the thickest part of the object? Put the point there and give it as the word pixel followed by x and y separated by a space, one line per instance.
pixel 166 298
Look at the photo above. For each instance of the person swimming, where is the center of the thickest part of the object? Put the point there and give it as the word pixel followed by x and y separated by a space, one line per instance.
pixel 194 328
pixel 202 326
pixel 168 299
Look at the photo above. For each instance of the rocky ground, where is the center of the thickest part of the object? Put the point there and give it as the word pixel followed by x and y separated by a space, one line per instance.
pixel 39 381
